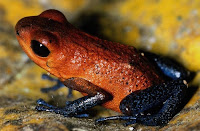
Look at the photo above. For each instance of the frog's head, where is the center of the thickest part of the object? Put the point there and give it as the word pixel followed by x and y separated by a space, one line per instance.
pixel 41 38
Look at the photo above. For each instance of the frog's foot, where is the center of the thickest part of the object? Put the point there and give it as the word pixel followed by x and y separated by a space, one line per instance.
pixel 43 106
pixel 129 119
pixel 58 85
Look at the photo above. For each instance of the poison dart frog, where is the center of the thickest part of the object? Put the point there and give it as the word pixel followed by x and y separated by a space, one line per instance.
pixel 144 87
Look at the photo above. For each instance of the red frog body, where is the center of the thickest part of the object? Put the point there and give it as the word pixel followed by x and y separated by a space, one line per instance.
pixel 84 62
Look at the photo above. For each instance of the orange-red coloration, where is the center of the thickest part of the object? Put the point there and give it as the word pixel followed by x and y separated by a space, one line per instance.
pixel 118 69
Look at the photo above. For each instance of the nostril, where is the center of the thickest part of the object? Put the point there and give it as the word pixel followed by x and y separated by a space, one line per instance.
pixel 17 32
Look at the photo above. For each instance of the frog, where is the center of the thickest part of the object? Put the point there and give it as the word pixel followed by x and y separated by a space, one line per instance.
pixel 144 87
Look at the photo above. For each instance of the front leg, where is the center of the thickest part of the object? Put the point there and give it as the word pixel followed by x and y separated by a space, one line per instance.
pixel 96 96
pixel 75 107
pixel 55 87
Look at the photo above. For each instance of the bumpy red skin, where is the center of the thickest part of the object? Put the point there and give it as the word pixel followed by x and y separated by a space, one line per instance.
pixel 116 68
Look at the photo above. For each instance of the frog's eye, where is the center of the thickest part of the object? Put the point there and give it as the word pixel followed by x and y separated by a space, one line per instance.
pixel 39 49
pixel 17 32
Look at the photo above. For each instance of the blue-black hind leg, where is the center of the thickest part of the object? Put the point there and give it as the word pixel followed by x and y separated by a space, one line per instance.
pixel 139 107
pixel 57 86
pixel 167 112
pixel 169 68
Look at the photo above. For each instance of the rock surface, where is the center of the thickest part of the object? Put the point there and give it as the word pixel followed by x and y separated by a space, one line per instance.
pixel 172 31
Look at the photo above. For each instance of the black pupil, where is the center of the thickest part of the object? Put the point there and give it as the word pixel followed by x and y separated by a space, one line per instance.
pixel 39 49
pixel 17 32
